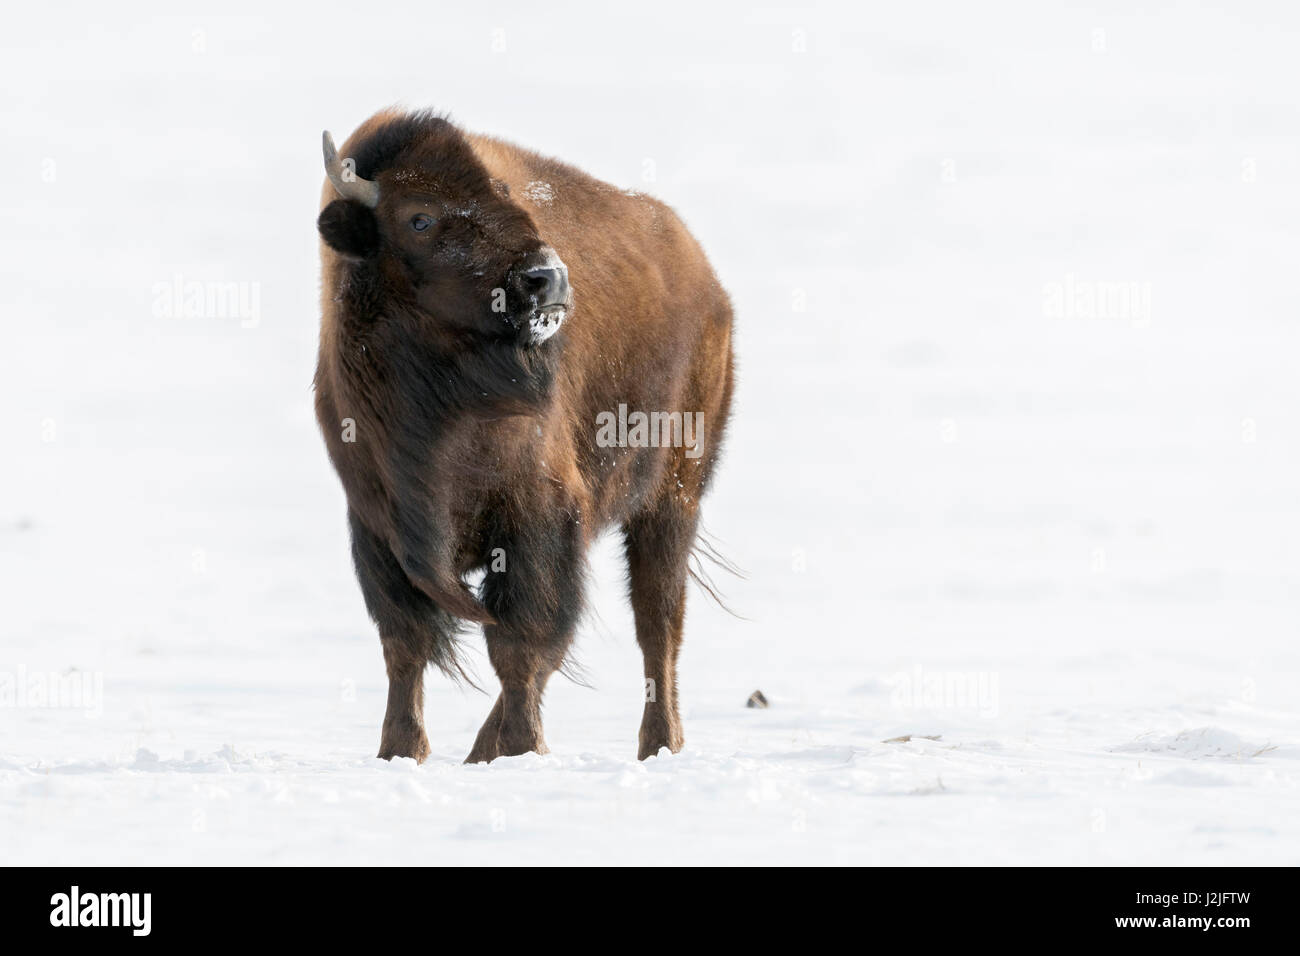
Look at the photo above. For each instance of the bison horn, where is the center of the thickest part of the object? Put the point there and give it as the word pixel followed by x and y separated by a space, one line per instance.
pixel 345 178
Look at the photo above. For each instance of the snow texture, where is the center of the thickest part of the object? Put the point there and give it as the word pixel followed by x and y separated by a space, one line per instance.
pixel 539 192
pixel 1013 473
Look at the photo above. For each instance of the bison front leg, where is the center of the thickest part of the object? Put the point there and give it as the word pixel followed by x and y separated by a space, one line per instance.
pixel 658 544
pixel 415 632
pixel 536 601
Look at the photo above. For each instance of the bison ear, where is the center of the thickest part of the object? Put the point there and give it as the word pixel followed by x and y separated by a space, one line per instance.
pixel 349 228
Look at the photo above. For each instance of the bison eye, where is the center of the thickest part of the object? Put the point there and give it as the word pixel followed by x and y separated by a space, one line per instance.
pixel 421 222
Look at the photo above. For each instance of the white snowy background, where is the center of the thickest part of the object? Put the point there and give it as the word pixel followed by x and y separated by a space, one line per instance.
pixel 1063 541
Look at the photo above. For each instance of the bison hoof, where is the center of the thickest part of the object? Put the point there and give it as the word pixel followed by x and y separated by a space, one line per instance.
pixel 660 727
pixel 404 742
pixel 650 746
pixel 646 751
pixel 486 753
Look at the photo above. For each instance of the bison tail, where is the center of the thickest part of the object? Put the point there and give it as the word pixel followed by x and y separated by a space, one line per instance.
pixel 456 599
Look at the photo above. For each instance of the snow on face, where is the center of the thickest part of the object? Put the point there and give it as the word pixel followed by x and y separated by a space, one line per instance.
pixel 543 324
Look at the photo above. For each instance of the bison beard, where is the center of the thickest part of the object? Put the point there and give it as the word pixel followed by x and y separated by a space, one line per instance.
pixel 463 424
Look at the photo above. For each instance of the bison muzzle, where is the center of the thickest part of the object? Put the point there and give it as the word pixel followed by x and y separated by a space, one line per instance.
pixel 482 308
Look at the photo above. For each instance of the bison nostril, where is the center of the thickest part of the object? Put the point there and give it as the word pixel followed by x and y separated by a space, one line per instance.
pixel 549 284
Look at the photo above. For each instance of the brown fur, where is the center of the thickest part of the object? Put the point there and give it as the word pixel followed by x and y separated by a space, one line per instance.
pixel 438 477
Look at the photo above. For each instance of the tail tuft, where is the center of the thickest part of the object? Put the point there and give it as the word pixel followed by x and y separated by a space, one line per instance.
pixel 706 548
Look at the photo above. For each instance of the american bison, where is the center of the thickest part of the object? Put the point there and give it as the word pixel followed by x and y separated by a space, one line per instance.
pixel 514 356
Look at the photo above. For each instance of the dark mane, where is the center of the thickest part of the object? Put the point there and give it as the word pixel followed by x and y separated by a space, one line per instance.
pixel 379 151
pixel 422 140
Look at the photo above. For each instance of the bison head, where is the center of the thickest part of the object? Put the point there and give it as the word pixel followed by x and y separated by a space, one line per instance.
pixel 437 234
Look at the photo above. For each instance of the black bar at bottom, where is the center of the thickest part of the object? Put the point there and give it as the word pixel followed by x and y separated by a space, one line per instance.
pixel 327 905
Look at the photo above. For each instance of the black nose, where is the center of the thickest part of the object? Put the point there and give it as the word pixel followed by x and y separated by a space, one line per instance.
pixel 548 284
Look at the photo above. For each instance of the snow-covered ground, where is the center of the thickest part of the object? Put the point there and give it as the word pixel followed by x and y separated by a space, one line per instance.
pixel 1015 462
